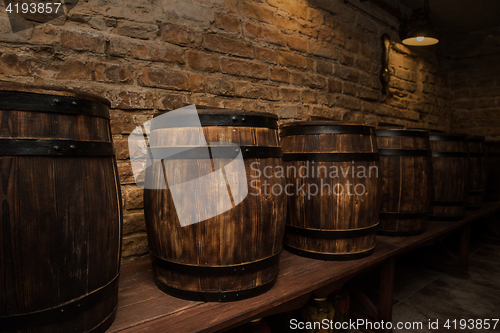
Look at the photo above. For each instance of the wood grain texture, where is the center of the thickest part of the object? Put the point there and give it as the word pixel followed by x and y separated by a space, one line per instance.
pixel 251 231
pixel 144 308
pixel 332 210
pixel 493 185
pixel 60 237
pixel 478 172
pixel 450 176
pixel 405 180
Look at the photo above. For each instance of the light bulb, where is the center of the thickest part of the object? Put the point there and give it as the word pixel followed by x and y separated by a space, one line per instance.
pixel 420 39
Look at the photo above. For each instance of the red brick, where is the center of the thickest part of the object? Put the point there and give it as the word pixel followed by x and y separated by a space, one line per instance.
pixel 324 67
pixel 334 85
pixel 137 30
pixel 309 96
pixel 327 99
pixel 279 74
pixel 196 82
pixel 346 58
pixel 349 88
pixel 146 50
pixel 226 22
pixel 346 73
pixel 160 78
pixel 292 111
pixel 244 68
pixel 371 81
pixel 369 94
pixel 107 72
pixel 125 172
pixel 297 43
pixel 364 22
pixel 352 45
pixel 203 60
pixel 261 32
pixel 133 197
pixel 172 101
pixel 308 80
pixel 83 40
pixel 289 95
pixel 290 59
pixel 332 113
pixel 180 35
pixel 348 102
pixel 121 149
pixel 133 222
pixel 227 45
pixel 366 51
pixel 46 34
pixel 326 50
pixel 256 91
pixel 13 64
pixel 218 86
pixel 121 122
pixel 363 64
pixel 299 9
pixel 74 70
pixel 267 55
pixel 134 245
pixel 257 11
pixel 286 22
pixel 131 99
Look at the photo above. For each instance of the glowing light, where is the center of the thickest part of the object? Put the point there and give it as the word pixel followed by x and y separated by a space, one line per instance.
pixel 420 39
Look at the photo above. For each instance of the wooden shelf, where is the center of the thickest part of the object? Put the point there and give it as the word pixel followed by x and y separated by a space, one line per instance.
pixel 142 307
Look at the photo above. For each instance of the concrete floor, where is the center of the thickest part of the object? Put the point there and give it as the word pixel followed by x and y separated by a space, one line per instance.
pixel 423 295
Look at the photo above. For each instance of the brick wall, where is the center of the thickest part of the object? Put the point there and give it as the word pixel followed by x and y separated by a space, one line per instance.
pixel 295 58
pixel 475 80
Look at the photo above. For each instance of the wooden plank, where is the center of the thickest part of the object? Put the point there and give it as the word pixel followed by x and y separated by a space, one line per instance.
pixel 436 229
pixel 144 308
pixel 298 276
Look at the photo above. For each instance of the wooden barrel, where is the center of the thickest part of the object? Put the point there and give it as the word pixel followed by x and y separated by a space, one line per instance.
pixel 450 165
pixel 478 172
pixel 333 189
pixel 235 254
pixel 406 180
pixel 493 161
pixel 60 237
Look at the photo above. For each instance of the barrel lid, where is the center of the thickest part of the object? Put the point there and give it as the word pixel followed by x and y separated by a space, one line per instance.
pixel 426 129
pixel 323 123
pixel 325 127
pixel 219 117
pixel 6 86
pixel 438 136
pixel 393 132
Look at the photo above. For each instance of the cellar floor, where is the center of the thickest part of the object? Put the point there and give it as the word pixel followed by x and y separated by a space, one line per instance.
pixel 427 295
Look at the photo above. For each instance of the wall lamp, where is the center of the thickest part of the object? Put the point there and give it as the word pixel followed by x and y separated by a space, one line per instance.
pixel 417 30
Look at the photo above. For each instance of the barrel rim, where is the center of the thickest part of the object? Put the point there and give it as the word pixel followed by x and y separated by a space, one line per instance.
pixel 7 86
pixel 395 132
pixel 223 112
pixel 433 136
pixel 322 123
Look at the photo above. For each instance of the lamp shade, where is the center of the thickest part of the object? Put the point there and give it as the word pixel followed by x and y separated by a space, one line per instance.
pixel 422 35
